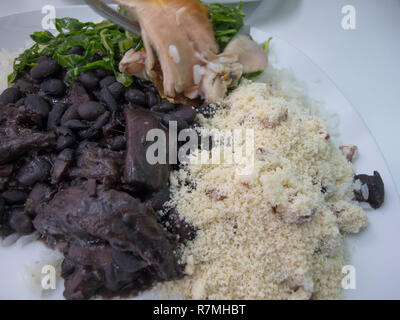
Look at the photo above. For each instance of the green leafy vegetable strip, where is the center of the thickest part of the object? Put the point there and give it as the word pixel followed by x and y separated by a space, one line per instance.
pixel 110 41
pixel 265 45
pixel 104 38
pixel 226 22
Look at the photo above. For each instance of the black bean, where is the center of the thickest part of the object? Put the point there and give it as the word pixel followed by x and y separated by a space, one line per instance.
pixel 14 196
pixel 67 154
pixel 117 143
pixel 181 124
pixel 44 69
pixel 64 142
pixel 41 192
pixel 105 82
pixel 164 106
pixel 76 50
pixel 149 86
pixel 36 170
pixel 186 112
pixel 135 97
pixel 101 73
pixel 20 222
pixel 89 80
pixel 36 104
pixel 53 87
pixel 64 131
pixel 75 124
pixel 152 98
pixel 101 120
pixel 96 94
pixel 95 57
pixel 116 89
pixel 91 110
pixel 55 115
pixel 108 99
pixel 20 102
pixel 41 59
pixel 70 114
pixel 10 95
pixel 25 86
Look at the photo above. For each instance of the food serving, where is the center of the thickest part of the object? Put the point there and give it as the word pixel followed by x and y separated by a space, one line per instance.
pixel 75 171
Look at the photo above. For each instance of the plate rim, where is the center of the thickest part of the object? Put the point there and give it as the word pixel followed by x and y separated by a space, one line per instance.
pixel 300 52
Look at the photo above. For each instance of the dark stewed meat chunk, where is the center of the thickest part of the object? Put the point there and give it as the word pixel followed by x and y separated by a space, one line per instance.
pixel 82 283
pixel 99 164
pixel 78 95
pixel 74 167
pixel 116 217
pixel 101 269
pixel 178 226
pixel 138 171
pixel 372 189
pixel 95 256
pixel 62 164
pixel 14 146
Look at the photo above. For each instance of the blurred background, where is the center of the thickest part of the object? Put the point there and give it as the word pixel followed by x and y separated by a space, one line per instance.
pixel 364 63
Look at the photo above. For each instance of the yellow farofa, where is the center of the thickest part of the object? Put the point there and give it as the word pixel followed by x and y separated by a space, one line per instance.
pixel 250 244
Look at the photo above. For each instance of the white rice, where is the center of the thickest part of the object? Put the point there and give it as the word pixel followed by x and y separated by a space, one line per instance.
pixel 10 240
pixel 24 240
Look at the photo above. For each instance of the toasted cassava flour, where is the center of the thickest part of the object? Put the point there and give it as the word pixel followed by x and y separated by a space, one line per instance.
pixel 278 230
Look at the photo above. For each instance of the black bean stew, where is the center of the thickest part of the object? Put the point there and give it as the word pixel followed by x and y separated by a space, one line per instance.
pixel 73 167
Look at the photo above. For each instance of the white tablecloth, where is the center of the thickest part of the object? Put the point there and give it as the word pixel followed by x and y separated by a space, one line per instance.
pixel 364 63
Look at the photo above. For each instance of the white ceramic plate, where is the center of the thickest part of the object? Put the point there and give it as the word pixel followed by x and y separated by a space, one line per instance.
pixel 375 252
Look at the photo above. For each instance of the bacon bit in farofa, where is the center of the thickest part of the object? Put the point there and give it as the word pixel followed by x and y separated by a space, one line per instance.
pixel 216 195
pixel 349 151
